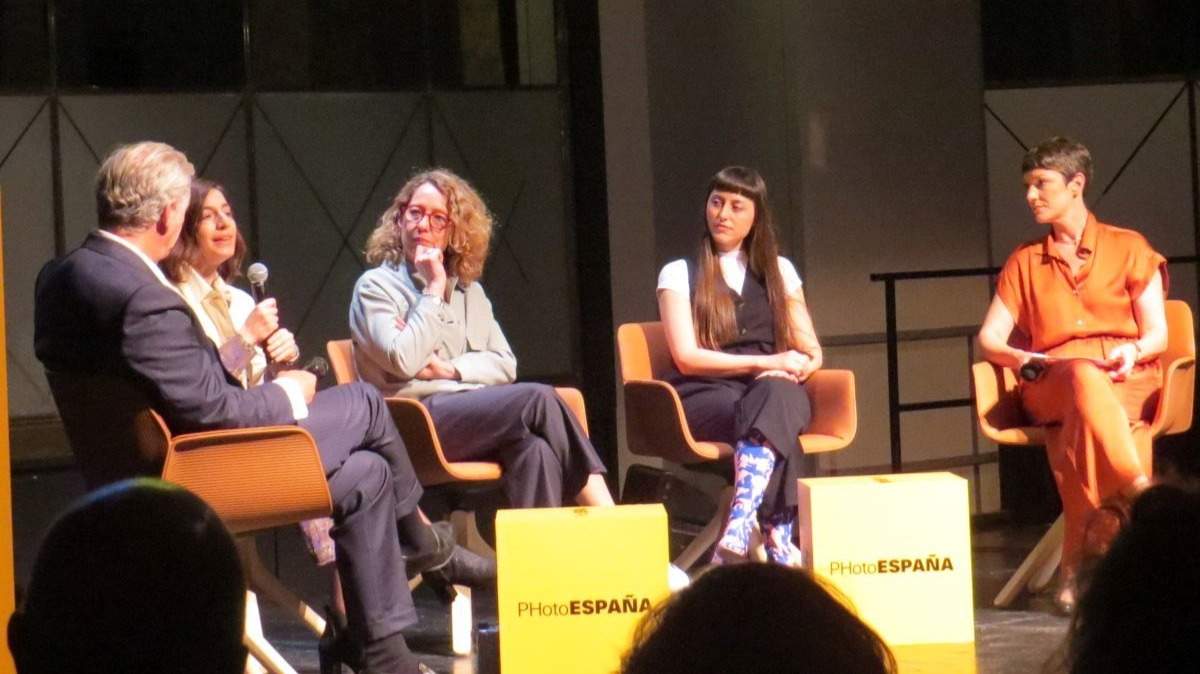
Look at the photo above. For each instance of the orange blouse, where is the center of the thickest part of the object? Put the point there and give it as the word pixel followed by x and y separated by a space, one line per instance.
pixel 1052 308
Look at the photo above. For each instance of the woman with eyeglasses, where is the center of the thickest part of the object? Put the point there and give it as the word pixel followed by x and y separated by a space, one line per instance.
pixel 423 328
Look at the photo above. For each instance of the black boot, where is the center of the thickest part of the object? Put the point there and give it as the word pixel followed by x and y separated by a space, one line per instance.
pixel 452 564
pixel 336 648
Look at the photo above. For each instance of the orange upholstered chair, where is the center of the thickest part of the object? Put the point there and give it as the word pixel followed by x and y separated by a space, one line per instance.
pixel 420 437
pixel 433 468
pixel 998 408
pixel 254 479
pixel 655 424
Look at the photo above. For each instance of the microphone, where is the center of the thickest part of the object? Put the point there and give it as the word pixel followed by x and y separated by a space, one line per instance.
pixel 1033 369
pixel 257 276
pixel 317 366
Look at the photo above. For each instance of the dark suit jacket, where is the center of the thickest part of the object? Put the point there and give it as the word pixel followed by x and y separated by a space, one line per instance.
pixel 114 340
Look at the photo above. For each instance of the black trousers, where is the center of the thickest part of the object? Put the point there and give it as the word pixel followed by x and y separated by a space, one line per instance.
pixel 372 483
pixel 729 410
pixel 526 428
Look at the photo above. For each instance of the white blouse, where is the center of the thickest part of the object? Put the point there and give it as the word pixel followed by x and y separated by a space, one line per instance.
pixel 674 275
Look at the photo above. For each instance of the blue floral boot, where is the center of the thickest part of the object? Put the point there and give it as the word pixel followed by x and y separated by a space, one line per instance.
pixel 777 536
pixel 752 466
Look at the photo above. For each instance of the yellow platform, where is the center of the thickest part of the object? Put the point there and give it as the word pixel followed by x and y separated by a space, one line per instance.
pixel 574 582
pixel 899 547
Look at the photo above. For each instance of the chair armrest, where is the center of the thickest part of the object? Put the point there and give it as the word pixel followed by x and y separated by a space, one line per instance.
pixel 574 400
pixel 254 478
pixel 425 450
pixel 655 424
pixel 834 411
pixel 1174 413
pixel 998 408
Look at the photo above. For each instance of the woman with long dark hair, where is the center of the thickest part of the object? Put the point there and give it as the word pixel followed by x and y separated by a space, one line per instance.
pixel 743 344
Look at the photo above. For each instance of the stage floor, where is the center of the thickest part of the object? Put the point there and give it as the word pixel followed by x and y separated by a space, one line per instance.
pixel 1010 641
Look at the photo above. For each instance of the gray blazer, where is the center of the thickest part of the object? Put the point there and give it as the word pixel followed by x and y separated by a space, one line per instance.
pixel 462 330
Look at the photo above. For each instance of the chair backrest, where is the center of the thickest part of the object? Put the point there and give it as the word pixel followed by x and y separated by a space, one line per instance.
pixel 1181 333
pixel 341 358
pixel 643 351
pixel 110 425
pixel 999 409
pixel 252 478
pixel 1175 404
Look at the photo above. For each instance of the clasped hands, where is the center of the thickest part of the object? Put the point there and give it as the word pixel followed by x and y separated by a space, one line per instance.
pixel 793 365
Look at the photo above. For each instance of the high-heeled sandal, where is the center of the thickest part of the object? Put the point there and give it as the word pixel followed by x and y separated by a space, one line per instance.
pixel 1102 528
pixel 336 648
pixel 1066 594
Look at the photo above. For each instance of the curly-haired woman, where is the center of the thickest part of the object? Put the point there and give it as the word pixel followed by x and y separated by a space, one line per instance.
pixel 423 328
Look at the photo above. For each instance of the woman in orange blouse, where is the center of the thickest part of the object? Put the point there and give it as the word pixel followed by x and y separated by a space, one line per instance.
pixel 1088 297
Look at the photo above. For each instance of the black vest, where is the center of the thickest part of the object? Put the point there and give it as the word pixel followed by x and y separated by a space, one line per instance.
pixel 752 313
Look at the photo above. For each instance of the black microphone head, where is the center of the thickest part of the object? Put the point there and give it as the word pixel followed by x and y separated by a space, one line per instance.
pixel 257 273
pixel 318 367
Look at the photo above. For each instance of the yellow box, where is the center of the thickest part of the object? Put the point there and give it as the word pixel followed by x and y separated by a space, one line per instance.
pixel 573 583
pixel 899 546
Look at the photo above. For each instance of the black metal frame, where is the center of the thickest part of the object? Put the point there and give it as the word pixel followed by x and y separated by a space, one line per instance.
pixel 585 204
pixel 889 279
pixel 894 337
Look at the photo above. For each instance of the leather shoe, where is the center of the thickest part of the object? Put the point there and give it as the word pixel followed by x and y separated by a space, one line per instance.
pixel 464 568
pixel 443 532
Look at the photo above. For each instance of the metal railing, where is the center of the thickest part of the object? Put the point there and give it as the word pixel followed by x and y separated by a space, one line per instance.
pixel 893 336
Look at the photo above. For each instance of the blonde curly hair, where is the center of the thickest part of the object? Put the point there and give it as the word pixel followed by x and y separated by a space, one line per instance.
pixel 470 226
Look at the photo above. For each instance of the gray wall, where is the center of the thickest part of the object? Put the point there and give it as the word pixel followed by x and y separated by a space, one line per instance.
pixel 327 165
pixel 872 144
pixel 883 152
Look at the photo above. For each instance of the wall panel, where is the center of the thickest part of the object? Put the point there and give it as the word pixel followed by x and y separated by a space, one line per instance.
pixel 28 242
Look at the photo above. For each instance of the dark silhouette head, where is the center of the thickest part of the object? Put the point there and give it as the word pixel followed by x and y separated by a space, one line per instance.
pixel 1141 612
pixel 138 576
pixel 756 619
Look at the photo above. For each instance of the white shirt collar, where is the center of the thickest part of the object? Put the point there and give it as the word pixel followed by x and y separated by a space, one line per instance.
pixel 145 258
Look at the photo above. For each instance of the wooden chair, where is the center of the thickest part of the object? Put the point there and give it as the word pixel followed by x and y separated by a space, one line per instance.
pixel 998 408
pixel 254 479
pixel 433 468
pixel 655 424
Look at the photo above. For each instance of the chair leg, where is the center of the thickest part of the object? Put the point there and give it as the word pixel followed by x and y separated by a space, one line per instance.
pixel 466 532
pixel 709 534
pixel 1034 571
pixel 266 654
pixel 460 621
pixel 1040 580
pixel 253 628
pixel 264 582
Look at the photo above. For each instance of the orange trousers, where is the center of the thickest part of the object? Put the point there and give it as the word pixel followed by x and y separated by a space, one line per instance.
pixel 1098 440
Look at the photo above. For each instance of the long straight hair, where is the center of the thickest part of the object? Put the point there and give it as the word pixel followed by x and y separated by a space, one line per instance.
pixel 712 304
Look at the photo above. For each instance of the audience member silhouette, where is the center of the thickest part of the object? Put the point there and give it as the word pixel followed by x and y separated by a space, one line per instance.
pixel 1141 611
pixel 756 619
pixel 138 576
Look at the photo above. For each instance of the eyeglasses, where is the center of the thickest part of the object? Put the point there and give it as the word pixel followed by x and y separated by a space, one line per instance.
pixel 413 215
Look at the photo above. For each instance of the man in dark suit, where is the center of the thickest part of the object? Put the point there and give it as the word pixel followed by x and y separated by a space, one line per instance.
pixel 105 311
